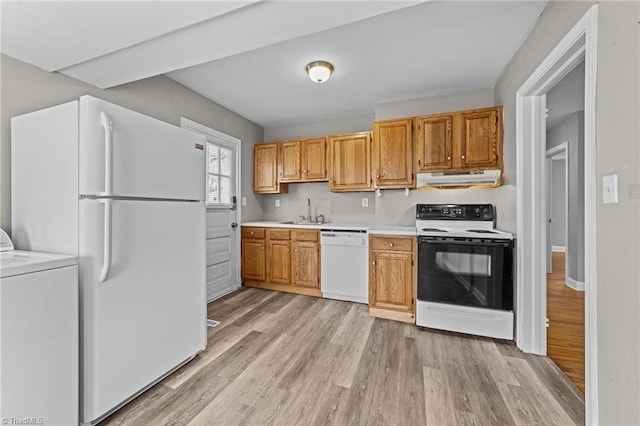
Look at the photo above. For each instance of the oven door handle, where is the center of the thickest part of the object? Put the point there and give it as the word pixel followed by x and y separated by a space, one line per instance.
pixel 485 243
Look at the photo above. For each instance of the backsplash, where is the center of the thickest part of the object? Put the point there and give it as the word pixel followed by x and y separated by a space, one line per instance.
pixel 392 208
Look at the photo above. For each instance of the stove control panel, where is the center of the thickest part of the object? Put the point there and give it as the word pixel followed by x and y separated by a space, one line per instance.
pixel 484 212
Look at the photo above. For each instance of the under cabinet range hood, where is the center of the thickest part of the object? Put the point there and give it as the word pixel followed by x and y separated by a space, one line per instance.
pixel 482 178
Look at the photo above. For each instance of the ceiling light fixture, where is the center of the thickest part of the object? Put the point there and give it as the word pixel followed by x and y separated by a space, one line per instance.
pixel 319 71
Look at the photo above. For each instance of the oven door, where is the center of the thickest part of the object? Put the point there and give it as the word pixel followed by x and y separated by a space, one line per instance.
pixel 466 272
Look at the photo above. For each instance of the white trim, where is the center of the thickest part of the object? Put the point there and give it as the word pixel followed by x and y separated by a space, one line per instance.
pixel 558 249
pixel 197 127
pixel 574 284
pixel 580 43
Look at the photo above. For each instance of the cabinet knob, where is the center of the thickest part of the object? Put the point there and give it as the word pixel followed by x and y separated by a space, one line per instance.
pixel 390 244
pixel 253 233
pixel 462 157
pixel 449 158
pixel 377 176
pixel 373 263
pixel 419 162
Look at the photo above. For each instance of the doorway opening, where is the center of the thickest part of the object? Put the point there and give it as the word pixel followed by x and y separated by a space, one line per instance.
pixel 579 45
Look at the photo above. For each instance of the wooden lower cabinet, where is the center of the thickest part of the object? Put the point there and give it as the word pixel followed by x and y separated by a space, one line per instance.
pixel 306 264
pixel 290 260
pixel 392 277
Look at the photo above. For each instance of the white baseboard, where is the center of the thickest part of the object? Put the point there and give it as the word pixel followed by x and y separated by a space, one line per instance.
pixel 576 285
pixel 558 249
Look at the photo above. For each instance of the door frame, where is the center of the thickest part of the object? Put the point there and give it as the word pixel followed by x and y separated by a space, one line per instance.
pixel 207 131
pixel 552 152
pixel 579 44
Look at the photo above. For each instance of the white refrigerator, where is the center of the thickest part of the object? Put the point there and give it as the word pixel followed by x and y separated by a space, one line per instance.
pixel 125 193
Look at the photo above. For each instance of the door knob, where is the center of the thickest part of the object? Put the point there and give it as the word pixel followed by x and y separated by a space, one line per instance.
pixel 235 225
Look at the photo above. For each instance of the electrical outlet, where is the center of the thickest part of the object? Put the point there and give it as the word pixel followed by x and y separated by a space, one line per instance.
pixel 365 202
pixel 244 201
pixel 277 203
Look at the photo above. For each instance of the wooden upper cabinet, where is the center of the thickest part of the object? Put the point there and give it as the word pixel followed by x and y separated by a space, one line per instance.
pixel 393 154
pixel 265 169
pixel 481 131
pixel 314 159
pixel 434 143
pixel 350 162
pixel 461 140
pixel 289 165
pixel 303 160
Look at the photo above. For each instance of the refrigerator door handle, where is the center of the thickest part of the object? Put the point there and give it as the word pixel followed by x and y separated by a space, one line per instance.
pixel 105 121
pixel 106 261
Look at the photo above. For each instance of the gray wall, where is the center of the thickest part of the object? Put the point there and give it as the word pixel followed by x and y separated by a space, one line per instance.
pixel 566 97
pixel 27 88
pixel 471 99
pixel 618 151
pixel 571 130
pixel 558 204
pixel 393 207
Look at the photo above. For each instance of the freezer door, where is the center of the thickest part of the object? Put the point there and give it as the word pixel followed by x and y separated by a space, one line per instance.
pixel 125 153
pixel 148 315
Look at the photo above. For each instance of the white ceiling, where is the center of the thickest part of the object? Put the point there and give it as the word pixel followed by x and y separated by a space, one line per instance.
pixel 250 56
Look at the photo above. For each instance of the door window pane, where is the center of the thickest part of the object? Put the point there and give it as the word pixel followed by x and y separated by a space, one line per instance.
pixel 220 163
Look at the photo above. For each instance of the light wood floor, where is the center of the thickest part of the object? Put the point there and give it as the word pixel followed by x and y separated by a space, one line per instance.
pixel 287 359
pixel 565 335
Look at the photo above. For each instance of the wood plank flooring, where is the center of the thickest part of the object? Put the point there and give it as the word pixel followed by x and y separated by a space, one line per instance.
pixel 286 359
pixel 565 335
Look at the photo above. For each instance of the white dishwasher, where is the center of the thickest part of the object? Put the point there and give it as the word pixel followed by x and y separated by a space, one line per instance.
pixel 345 265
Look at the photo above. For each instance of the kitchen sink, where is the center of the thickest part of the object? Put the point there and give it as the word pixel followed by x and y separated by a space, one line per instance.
pixel 291 222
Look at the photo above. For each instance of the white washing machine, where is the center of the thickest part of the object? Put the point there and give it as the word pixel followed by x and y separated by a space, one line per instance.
pixel 38 337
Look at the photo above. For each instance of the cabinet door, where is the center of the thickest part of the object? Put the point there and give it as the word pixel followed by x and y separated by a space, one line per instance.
pixel 265 168
pixel 391 281
pixel 254 257
pixel 479 138
pixel 305 261
pixel 280 262
pixel 434 143
pixel 350 162
pixel 393 154
pixel 314 159
pixel 290 170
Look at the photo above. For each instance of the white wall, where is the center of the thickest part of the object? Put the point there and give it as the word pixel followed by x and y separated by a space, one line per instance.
pixel 558 204
pixel 618 151
pixel 27 88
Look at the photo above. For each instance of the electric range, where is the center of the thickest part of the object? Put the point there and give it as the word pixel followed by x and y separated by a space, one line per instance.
pixel 465 270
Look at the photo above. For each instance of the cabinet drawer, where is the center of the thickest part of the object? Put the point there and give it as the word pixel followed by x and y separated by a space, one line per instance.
pixel 249 232
pixel 304 235
pixel 391 243
pixel 278 234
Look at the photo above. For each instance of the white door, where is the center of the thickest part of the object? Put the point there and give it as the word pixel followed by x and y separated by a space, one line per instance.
pixel 223 211
pixel 148 314
pixel 125 153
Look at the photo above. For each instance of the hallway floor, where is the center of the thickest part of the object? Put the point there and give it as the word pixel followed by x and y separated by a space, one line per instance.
pixel 565 335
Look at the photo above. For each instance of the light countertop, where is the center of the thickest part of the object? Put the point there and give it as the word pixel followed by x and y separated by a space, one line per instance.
pixel 371 229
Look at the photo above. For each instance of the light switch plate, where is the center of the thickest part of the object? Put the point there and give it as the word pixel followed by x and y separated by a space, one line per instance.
pixel 365 202
pixel 277 203
pixel 610 189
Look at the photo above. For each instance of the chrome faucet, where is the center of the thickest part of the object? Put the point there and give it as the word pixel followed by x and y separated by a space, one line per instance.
pixel 309 209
